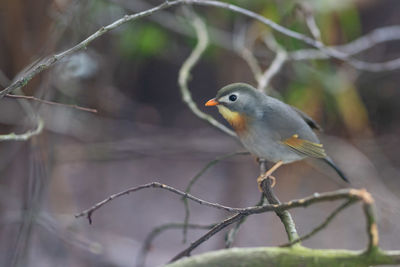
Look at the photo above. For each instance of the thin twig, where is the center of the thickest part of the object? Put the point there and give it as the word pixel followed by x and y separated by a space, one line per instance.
pixel 195 178
pixel 51 102
pixel 322 225
pixel 88 212
pixel 304 202
pixel 141 258
pixel 24 136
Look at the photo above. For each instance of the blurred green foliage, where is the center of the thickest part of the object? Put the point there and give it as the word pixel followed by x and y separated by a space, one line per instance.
pixel 142 41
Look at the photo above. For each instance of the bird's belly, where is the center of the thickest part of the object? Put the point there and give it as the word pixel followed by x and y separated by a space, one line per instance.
pixel 266 148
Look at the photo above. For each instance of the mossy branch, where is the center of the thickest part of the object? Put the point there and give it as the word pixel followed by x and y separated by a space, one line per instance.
pixel 295 256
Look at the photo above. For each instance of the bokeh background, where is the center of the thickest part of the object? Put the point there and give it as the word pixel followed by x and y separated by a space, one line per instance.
pixel 143 131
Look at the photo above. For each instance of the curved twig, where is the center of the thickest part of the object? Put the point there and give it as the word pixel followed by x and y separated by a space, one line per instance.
pixel 184 74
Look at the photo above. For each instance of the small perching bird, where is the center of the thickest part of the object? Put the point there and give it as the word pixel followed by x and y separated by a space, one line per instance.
pixel 269 128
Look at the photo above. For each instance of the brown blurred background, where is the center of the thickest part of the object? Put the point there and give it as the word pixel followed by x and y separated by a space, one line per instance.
pixel 143 132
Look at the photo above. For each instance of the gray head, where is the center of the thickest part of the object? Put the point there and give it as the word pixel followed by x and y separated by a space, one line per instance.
pixel 238 97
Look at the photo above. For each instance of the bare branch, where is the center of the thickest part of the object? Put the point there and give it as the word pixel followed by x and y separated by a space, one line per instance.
pixel 24 136
pixel 51 102
pixel 375 37
pixel 88 213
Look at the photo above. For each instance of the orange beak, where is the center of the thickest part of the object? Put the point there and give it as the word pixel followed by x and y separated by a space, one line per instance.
pixel 212 102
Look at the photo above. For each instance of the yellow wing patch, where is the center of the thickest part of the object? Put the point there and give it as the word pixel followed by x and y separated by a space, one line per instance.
pixel 305 147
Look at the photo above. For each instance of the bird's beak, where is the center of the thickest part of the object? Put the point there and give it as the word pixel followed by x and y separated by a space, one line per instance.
pixel 212 102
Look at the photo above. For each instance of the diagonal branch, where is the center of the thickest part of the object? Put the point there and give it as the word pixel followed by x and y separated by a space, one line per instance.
pixel 218 227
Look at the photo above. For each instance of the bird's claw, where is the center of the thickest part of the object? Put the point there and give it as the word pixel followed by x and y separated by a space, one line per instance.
pixel 263 177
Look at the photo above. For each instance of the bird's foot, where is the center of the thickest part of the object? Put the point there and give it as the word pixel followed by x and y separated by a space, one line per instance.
pixel 263 177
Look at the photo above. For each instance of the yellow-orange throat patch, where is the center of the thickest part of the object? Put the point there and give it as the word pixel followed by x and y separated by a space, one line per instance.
pixel 234 118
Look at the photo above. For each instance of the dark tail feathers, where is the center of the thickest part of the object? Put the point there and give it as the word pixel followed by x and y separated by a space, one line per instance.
pixel 338 171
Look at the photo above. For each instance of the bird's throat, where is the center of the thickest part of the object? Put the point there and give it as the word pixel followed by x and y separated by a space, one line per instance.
pixel 237 120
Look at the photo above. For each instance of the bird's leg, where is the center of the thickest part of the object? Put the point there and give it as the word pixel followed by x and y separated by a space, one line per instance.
pixel 267 174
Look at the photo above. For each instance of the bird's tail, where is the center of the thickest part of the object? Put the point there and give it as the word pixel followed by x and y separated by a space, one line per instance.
pixel 338 171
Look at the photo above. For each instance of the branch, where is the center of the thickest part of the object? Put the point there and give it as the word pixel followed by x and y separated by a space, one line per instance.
pixel 51 102
pixel 24 136
pixel 285 216
pixel 184 75
pixel 88 212
pixel 297 256
pixel 375 37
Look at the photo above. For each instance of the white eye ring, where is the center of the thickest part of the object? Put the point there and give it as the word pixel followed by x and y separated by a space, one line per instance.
pixel 232 97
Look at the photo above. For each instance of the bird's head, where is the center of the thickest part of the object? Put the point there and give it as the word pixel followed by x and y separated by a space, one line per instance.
pixel 236 102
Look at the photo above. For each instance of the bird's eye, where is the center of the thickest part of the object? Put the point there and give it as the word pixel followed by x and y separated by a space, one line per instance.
pixel 232 97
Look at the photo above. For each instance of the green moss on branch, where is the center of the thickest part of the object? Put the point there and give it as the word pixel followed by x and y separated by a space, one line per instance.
pixel 296 256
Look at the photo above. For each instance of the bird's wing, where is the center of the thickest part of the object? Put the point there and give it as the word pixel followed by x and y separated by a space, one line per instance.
pixel 307 119
pixel 305 147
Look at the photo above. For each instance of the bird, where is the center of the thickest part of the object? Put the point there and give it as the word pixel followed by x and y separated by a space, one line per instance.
pixel 269 128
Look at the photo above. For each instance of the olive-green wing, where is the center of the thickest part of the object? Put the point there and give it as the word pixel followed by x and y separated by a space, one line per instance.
pixel 308 148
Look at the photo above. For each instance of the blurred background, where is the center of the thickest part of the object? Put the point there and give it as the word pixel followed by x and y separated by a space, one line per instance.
pixel 143 131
